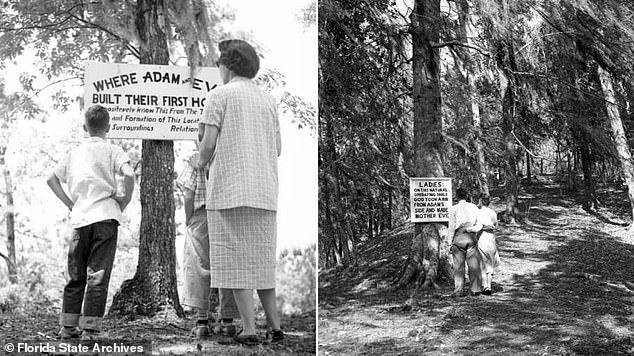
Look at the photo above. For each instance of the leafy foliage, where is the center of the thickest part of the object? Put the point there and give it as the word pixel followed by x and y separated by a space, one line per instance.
pixel 558 111
pixel 296 270
pixel 362 100
pixel 63 34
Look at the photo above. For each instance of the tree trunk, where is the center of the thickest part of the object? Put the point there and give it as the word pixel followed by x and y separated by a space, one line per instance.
pixel 325 198
pixel 9 217
pixel 528 169
pixel 389 209
pixel 557 161
pixel 590 201
pixel 154 285
pixel 506 64
pixel 571 176
pixel 468 30
pixel 334 208
pixel 618 133
pixel 424 259
pixel 370 219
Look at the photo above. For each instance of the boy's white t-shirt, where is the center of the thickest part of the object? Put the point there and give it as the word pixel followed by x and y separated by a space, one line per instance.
pixel 89 171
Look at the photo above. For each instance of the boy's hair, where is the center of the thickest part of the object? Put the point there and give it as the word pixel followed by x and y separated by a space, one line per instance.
pixel 97 119
pixel 461 194
pixel 239 57
pixel 485 199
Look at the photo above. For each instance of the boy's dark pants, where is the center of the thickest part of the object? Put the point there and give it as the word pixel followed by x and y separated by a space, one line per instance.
pixel 90 259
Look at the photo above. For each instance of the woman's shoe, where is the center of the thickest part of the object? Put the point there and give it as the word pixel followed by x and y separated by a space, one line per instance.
pixel 487 291
pixel 249 340
pixel 276 335
pixel 228 330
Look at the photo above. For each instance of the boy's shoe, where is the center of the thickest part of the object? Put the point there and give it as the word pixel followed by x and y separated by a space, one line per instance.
pixel 66 333
pixel 487 292
pixel 200 331
pixel 276 335
pixel 227 333
pixel 89 334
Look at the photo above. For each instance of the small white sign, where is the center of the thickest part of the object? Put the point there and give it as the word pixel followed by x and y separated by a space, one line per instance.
pixel 430 199
pixel 153 102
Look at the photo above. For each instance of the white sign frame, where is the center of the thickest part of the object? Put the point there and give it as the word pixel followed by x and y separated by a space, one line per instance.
pixel 154 102
pixel 430 199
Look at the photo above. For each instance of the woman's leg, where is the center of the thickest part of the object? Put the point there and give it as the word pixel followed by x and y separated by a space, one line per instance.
pixel 487 281
pixel 267 297
pixel 244 301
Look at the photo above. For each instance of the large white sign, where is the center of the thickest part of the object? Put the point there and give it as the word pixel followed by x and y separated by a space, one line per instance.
pixel 150 101
pixel 430 199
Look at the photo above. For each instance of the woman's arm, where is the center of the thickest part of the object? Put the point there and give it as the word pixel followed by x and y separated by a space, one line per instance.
pixel 207 145
pixel 451 230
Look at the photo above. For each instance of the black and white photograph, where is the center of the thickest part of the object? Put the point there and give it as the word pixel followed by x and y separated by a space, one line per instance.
pixel 476 184
pixel 159 177
pixel 317 177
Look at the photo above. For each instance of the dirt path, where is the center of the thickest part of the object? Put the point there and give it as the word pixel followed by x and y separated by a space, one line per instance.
pixel 168 335
pixel 566 287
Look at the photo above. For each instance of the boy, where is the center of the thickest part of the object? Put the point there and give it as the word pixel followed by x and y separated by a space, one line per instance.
pixel 95 210
pixel 196 293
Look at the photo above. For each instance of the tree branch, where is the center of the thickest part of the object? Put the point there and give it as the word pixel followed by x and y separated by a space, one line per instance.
pixel 529 151
pixel 561 81
pixel 459 44
pixel 135 52
pixel 37 92
pixel 30 234
pixel 9 262
pixel 36 27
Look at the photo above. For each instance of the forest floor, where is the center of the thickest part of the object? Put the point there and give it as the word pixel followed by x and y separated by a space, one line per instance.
pixel 565 287
pixel 168 334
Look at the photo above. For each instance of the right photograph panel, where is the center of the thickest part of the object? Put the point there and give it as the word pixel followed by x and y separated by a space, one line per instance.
pixel 476 182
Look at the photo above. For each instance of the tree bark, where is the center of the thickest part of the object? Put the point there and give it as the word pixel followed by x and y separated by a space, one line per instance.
pixel 329 228
pixel 529 176
pixel 334 206
pixel 618 133
pixel 572 184
pixel 590 195
pixel 506 65
pixel 9 217
pixel 469 31
pixel 425 259
pixel 154 285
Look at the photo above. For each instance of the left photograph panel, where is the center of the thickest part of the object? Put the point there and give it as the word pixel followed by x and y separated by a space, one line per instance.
pixel 159 177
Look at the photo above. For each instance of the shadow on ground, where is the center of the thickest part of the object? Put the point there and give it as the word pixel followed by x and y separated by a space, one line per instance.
pixel 566 288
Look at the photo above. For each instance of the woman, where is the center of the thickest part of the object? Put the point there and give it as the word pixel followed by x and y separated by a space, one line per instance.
pixel 487 246
pixel 242 134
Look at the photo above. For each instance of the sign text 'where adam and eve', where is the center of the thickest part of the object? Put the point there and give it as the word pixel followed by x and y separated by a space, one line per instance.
pixel 150 101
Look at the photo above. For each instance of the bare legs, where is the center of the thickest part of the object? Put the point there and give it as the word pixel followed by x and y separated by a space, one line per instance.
pixel 486 281
pixel 244 301
pixel 267 297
